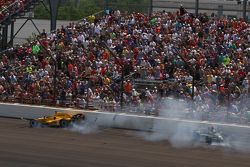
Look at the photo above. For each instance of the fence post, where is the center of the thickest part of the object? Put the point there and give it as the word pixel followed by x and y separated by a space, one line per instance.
pixel 53 13
pixel 196 7
pixel 106 5
pixel 245 10
pixel 220 10
pixel 150 7
pixel 5 37
pixel 12 32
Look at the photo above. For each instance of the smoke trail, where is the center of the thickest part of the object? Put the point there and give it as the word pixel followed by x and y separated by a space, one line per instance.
pixel 181 134
pixel 178 133
pixel 84 128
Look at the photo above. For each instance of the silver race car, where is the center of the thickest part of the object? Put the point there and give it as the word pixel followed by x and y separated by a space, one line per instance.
pixel 208 136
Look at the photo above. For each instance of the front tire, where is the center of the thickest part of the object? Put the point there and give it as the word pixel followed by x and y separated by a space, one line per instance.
pixel 78 118
pixel 33 123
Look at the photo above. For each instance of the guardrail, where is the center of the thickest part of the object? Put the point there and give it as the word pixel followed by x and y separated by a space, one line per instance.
pixel 156 109
pixel 123 120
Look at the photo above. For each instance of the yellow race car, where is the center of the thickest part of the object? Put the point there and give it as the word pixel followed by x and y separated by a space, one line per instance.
pixel 59 119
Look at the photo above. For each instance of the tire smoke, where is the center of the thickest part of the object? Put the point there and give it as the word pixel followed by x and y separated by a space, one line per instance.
pixel 179 133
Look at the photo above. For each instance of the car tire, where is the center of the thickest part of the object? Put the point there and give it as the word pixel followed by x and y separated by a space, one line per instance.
pixel 63 123
pixel 78 118
pixel 33 123
pixel 208 140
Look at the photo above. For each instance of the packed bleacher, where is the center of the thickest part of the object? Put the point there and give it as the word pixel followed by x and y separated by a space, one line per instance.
pixel 10 7
pixel 166 48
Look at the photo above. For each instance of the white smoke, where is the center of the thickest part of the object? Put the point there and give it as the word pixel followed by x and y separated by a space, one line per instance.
pixel 178 133
pixel 93 123
pixel 84 128
pixel 174 108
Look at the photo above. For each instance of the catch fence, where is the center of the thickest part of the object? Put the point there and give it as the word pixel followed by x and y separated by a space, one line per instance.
pixel 228 8
pixel 163 107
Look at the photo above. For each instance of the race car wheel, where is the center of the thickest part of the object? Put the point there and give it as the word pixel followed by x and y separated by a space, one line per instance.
pixel 33 123
pixel 77 118
pixel 82 117
pixel 63 123
pixel 208 140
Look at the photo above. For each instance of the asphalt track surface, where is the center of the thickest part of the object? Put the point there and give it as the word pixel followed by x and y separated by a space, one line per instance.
pixel 21 146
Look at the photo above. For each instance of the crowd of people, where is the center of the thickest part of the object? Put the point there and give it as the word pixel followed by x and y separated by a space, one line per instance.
pixel 11 7
pixel 201 58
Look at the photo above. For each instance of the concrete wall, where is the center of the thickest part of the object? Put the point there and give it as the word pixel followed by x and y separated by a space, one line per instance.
pixel 122 120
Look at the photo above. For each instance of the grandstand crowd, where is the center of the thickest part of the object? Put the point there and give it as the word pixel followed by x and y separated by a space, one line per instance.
pixel 175 48
pixel 11 7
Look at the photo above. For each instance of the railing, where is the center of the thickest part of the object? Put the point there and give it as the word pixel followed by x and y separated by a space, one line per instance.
pixel 8 7
pixel 15 8
pixel 7 11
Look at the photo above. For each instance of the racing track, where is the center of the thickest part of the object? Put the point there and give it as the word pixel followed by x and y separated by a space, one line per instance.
pixel 21 146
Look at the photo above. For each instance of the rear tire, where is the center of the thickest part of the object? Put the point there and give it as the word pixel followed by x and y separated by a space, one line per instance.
pixel 64 123
pixel 208 140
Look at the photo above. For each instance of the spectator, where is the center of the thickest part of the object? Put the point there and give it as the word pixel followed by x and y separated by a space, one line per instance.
pixel 164 47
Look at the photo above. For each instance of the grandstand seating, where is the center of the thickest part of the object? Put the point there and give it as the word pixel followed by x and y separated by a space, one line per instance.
pixel 11 9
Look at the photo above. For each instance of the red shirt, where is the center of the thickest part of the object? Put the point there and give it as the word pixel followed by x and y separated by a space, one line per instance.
pixel 70 67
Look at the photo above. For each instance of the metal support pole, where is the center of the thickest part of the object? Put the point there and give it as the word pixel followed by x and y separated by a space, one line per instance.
pixel 122 88
pixel 106 5
pixel 54 81
pixel 55 69
pixel 193 82
pixel 5 37
pixel 151 8
pixel 12 33
pixel 1 44
pixel 192 70
pixel 46 8
pixel 245 10
pixel 19 29
pixel 1 39
pixel 220 10
pixel 122 67
pixel 53 13
pixel 196 7
pixel 35 26
pixel 87 99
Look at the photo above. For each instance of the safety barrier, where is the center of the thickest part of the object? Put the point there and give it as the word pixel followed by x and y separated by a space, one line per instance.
pixel 242 118
pixel 122 120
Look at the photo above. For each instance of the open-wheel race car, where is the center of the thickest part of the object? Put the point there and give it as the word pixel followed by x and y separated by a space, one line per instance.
pixel 59 119
pixel 208 136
